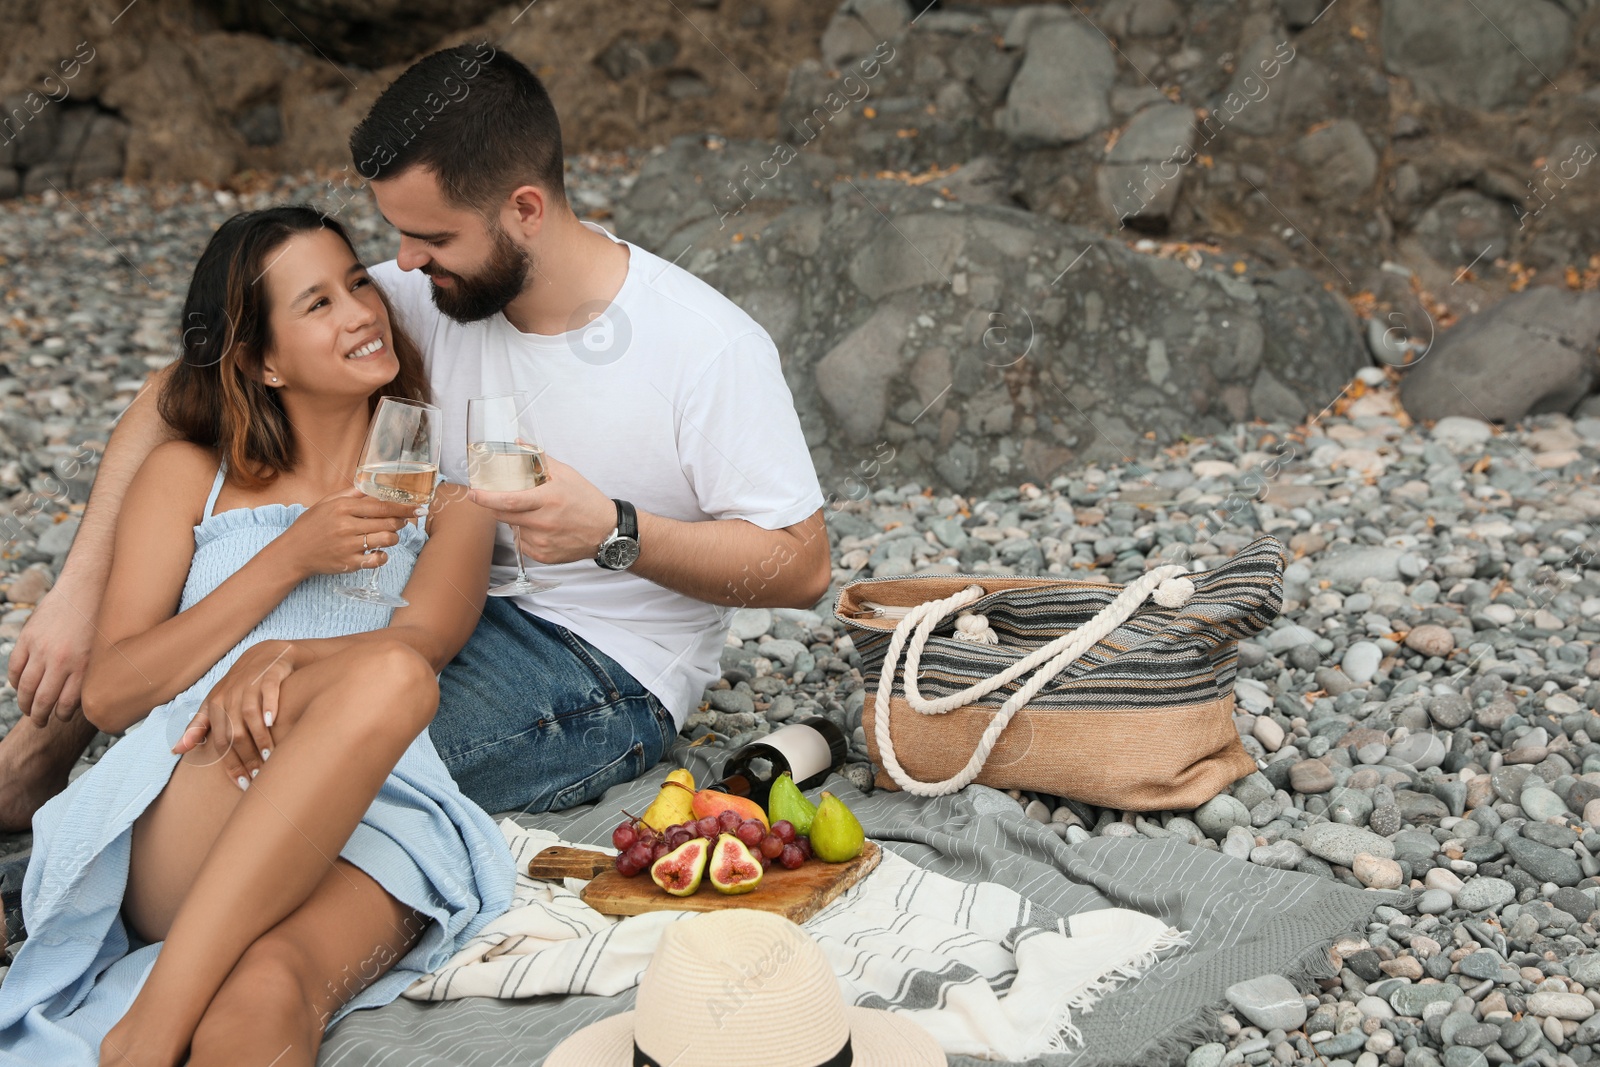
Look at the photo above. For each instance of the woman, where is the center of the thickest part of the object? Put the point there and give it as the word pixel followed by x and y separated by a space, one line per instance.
pixel 277 842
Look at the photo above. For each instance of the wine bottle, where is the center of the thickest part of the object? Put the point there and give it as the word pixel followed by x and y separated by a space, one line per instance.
pixel 809 750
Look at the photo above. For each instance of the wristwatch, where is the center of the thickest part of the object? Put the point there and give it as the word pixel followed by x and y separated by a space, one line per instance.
pixel 621 546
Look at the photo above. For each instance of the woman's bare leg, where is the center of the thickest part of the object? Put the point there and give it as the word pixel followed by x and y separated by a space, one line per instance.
pixel 345 723
pixel 275 1004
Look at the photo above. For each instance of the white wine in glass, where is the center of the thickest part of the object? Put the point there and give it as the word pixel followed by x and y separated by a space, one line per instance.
pixel 403 483
pixel 504 467
pixel 503 456
pixel 399 463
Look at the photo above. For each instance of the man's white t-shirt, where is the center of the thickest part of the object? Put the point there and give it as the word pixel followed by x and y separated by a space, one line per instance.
pixel 673 399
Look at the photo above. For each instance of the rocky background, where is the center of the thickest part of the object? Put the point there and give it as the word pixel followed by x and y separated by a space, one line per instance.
pixel 1067 289
pixel 1002 240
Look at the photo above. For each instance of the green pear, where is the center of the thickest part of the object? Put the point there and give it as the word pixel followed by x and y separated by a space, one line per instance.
pixel 836 834
pixel 785 801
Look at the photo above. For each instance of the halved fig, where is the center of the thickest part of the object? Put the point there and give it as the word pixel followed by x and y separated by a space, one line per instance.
pixel 733 868
pixel 679 871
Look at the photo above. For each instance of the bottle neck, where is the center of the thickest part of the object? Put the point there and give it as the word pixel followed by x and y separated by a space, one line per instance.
pixel 739 784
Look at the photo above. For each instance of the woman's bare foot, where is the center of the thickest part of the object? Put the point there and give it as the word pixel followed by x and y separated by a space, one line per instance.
pixel 137 1041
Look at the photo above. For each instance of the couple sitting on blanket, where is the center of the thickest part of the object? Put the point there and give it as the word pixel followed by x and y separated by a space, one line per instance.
pixel 295 824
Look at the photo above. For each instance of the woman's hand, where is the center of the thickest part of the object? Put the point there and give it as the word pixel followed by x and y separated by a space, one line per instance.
pixel 344 531
pixel 239 711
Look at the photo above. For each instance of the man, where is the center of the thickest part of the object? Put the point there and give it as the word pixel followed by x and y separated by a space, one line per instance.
pixel 676 461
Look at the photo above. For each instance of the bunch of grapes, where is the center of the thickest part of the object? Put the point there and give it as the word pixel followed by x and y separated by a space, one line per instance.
pixel 638 845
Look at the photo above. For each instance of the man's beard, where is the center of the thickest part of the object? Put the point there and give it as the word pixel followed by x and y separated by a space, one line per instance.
pixel 487 293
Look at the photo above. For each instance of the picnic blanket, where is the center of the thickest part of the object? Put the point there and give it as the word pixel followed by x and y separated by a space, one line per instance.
pixel 970 963
pixel 1242 920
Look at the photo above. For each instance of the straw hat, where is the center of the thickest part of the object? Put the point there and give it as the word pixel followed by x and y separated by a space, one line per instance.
pixel 741 986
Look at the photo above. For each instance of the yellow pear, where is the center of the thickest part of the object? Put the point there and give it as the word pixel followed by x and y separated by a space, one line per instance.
pixel 674 804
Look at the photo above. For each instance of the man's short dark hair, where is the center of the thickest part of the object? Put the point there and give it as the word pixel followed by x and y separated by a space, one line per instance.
pixel 479 119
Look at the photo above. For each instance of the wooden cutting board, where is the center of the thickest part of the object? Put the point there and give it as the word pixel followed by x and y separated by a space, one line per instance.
pixel 797 895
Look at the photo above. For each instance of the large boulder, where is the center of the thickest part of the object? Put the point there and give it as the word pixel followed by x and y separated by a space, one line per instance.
pixel 985 344
pixel 1275 86
pixel 1143 172
pixel 1059 95
pixel 1494 53
pixel 1337 162
pixel 1532 353
pixel 854 376
pixel 1464 226
pixel 859 26
pixel 1311 345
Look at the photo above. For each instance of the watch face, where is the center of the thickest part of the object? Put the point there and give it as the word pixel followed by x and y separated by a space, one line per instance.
pixel 621 553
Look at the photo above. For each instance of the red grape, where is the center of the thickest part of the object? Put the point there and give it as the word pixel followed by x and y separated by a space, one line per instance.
pixel 785 831
pixel 626 867
pixel 771 847
pixel 677 836
pixel 791 857
pixel 751 833
pixel 641 854
pixel 709 827
pixel 729 820
pixel 624 836
pixel 658 851
pixel 804 844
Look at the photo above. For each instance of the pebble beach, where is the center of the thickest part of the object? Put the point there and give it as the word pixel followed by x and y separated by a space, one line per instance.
pixel 1423 713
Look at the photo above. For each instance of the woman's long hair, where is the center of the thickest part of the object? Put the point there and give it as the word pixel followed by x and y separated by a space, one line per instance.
pixel 216 395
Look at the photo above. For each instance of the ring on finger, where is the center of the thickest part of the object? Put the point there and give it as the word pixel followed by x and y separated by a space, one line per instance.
pixel 364 548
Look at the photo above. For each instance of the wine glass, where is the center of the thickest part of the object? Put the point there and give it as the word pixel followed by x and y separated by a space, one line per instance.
pixel 399 463
pixel 501 460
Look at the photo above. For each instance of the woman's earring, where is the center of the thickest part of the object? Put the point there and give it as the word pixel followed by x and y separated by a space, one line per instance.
pixel 274 379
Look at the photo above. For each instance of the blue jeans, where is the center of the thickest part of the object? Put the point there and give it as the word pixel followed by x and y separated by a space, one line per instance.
pixel 534 718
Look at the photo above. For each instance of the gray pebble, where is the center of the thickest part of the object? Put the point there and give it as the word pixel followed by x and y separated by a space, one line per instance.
pixel 1434 902
pixel 1484 894
pixel 750 623
pixel 1543 863
pixel 1219 814
pixel 1340 844
pixel 1361 661
pixel 1270 1001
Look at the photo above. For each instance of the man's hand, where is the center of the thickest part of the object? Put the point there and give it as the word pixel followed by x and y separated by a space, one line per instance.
pixel 50 657
pixel 561 521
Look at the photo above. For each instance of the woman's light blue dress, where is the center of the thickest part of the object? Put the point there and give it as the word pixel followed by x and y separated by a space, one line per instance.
pixel 422 840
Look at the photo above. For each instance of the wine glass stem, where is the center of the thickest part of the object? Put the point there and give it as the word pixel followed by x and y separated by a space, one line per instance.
pixel 372 579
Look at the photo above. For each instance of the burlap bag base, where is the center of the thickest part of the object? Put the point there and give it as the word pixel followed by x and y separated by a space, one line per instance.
pixel 1167 759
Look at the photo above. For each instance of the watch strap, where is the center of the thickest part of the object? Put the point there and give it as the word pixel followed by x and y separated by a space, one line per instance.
pixel 627 520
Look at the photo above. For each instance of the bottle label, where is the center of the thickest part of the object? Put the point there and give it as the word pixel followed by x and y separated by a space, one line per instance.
pixel 805 748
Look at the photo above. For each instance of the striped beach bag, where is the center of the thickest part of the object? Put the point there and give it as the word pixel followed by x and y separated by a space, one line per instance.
pixel 1119 696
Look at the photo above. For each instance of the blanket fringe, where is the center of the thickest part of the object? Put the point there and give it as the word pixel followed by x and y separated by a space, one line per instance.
pixel 1065 1036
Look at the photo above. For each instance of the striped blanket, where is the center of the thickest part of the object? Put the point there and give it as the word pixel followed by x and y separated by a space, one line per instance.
pixel 971 963
pixel 1242 921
